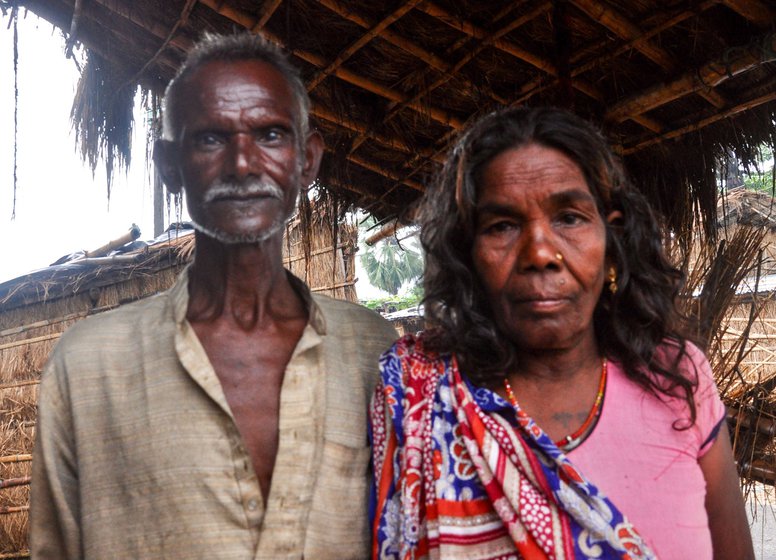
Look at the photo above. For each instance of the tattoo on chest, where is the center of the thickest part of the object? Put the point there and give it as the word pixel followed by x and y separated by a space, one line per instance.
pixel 569 420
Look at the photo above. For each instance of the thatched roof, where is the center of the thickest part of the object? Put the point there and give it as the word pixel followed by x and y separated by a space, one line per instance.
pixel 676 84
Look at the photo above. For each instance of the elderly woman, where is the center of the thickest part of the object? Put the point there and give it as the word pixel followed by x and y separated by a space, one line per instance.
pixel 557 409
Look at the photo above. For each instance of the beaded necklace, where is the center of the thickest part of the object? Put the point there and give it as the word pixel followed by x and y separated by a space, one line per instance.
pixel 574 439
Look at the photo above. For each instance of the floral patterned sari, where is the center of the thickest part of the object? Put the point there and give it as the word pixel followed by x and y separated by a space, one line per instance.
pixel 460 475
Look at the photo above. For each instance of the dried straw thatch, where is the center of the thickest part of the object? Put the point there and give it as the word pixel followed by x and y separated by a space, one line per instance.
pixel 731 297
pixel 36 309
pixel 677 85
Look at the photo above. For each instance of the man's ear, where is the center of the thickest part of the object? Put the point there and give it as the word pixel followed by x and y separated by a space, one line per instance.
pixel 313 152
pixel 166 160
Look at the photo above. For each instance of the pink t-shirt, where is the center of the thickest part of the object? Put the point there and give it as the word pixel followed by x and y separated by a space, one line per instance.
pixel 649 469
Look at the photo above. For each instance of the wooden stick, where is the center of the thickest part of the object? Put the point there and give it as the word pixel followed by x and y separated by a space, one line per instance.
pixel 12 509
pixel 33 340
pixel 11 482
pixel 16 458
pixel 360 42
pixel 248 21
pixel 734 61
pixel 20 384
pixel 702 123
pixel 269 9
pixel 15 555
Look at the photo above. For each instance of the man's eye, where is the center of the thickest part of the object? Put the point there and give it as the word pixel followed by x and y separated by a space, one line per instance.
pixel 272 135
pixel 208 139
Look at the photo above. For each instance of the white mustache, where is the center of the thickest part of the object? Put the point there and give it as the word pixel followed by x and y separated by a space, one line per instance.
pixel 249 188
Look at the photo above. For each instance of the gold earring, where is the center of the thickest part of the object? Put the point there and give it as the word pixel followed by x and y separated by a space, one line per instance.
pixel 559 257
pixel 612 278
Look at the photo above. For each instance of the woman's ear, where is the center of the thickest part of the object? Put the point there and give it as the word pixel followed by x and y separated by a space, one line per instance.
pixel 166 160
pixel 614 218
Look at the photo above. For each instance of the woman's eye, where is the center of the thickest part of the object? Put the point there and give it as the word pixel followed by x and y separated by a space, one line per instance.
pixel 499 227
pixel 570 218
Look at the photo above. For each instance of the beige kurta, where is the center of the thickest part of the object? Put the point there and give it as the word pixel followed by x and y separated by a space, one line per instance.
pixel 138 456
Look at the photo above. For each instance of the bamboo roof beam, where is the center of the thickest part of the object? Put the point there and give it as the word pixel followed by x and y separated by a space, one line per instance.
pixel 753 10
pixel 624 28
pixel 248 21
pixel 470 55
pixel 508 47
pixel 734 61
pixel 384 172
pixel 395 143
pixel 270 6
pixel 420 77
pixel 752 103
pixel 360 42
pixel 151 25
pixel 434 61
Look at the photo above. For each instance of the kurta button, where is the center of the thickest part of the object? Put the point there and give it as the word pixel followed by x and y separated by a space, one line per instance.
pixel 253 504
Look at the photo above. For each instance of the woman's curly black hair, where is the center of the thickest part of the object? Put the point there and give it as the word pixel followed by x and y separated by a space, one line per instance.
pixel 630 324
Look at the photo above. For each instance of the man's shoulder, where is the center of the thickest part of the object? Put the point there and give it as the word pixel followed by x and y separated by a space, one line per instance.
pixel 345 317
pixel 124 321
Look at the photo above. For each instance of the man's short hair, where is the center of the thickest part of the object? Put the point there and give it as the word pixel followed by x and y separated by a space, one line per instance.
pixel 230 48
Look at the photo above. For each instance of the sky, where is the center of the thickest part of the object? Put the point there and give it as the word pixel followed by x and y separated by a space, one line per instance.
pixel 60 207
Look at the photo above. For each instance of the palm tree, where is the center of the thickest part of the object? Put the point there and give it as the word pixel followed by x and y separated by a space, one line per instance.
pixel 389 265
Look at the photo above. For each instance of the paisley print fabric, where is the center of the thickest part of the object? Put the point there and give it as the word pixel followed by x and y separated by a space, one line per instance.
pixel 460 473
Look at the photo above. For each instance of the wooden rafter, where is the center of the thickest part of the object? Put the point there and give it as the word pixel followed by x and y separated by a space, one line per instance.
pixel 403 43
pixel 360 42
pixel 269 9
pixel 752 103
pixel 248 21
pixel 735 61
pixel 359 128
pixel 421 77
pixel 506 46
pixel 616 22
pixel 754 10
pixel 470 55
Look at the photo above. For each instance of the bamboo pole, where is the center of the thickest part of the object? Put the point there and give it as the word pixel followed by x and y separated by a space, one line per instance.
pixel 13 509
pixel 734 61
pixel 434 61
pixel 21 458
pixel 510 48
pixel 754 10
pixel 288 260
pixel 33 340
pixel 248 21
pixel 12 482
pixel 616 22
pixel 702 123
pixel 22 554
pixel 354 47
pixel 20 384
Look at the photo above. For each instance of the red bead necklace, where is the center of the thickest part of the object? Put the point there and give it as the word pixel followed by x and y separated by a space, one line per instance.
pixel 571 441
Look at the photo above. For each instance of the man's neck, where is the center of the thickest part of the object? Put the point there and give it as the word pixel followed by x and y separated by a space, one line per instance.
pixel 245 283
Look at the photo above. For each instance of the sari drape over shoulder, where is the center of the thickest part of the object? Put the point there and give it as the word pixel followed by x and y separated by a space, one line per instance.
pixel 457 477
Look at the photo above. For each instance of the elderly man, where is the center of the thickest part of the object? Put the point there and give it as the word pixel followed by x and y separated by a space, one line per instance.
pixel 226 417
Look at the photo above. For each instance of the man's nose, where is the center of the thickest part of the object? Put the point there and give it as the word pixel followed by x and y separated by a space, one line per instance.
pixel 241 159
pixel 538 249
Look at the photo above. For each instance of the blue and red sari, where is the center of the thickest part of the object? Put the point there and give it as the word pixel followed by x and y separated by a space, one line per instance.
pixel 457 477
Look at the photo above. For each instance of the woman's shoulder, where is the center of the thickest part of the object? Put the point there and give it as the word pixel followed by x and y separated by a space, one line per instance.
pixel 412 359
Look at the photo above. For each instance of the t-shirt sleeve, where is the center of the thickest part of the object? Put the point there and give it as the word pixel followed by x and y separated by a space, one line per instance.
pixel 710 410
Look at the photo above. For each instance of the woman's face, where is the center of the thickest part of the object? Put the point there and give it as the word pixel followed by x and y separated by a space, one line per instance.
pixel 539 248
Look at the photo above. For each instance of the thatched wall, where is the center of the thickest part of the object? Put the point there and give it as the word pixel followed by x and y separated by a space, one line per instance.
pixel 36 309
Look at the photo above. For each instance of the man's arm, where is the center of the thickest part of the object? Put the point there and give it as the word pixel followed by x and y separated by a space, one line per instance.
pixel 730 535
pixel 54 501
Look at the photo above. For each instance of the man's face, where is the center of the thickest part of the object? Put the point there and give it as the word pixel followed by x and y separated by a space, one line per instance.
pixel 237 153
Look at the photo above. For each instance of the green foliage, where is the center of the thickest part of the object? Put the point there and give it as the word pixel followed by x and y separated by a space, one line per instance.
pixel 388 264
pixel 411 299
pixel 762 179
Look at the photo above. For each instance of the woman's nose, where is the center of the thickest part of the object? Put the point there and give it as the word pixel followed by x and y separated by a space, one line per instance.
pixel 538 251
